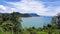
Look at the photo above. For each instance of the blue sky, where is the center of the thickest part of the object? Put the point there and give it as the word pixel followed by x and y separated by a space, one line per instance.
pixel 40 7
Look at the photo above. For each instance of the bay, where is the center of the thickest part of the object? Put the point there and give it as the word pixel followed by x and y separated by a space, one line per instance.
pixel 35 21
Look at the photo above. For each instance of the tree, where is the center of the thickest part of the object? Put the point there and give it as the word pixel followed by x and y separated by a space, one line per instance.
pixel 56 21
pixel 16 20
pixel 11 22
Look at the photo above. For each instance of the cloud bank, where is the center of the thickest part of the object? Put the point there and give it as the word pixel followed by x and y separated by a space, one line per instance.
pixel 33 6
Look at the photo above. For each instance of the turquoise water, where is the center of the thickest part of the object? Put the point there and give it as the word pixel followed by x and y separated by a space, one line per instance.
pixel 35 21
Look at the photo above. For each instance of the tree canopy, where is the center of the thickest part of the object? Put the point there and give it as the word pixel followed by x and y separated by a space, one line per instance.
pixel 10 22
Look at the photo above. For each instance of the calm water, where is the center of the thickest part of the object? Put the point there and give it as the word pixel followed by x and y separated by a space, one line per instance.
pixel 35 21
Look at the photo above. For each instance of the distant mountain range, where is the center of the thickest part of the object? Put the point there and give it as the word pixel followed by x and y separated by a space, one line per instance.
pixel 34 15
pixel 24 15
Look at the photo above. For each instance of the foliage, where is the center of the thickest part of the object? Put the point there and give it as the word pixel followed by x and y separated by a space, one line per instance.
pixel 11 24
pixel 56 21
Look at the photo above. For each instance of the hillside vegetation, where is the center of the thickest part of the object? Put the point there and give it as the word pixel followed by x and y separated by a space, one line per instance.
pixel 11 24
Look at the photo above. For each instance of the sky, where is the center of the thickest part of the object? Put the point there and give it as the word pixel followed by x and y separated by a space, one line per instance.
pixel 40 7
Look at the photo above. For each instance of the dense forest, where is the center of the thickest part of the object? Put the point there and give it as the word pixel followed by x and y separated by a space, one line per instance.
pixel 11 24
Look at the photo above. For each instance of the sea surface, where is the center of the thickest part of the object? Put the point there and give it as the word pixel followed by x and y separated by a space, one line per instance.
pixel 35 21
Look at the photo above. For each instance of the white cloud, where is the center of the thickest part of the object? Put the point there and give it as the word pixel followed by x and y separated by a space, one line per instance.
pixel 32 6
pixel 53 10
pixel 4 9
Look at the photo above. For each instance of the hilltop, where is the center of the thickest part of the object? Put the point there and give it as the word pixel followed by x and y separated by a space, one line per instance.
pixel 23 15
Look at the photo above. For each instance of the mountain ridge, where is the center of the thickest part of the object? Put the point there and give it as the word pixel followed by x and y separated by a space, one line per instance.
pixel 24 15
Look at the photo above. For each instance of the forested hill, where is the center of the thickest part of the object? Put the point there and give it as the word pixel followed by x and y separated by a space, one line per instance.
pixel 23 15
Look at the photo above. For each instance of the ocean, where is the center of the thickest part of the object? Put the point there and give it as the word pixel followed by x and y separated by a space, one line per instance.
pixel 35 21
